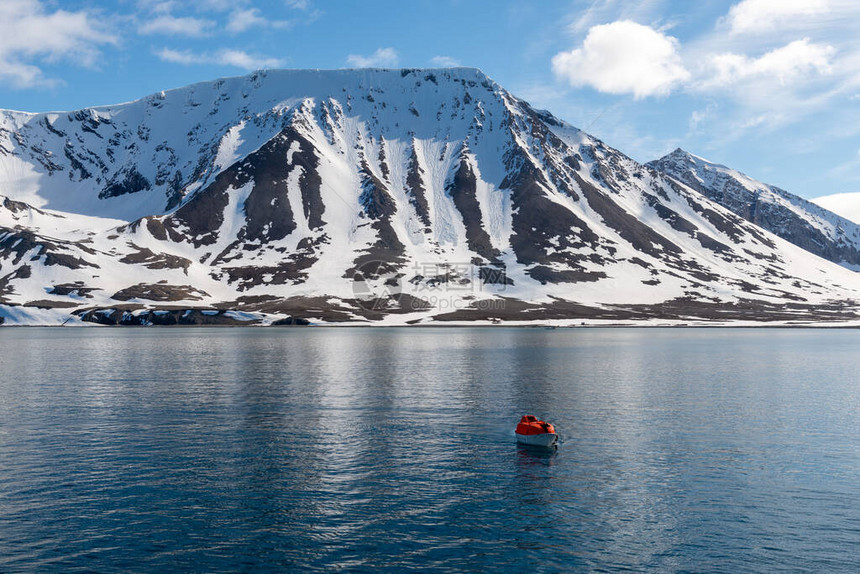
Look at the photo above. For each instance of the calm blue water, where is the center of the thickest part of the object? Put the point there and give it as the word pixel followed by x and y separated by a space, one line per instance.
pixel 391 449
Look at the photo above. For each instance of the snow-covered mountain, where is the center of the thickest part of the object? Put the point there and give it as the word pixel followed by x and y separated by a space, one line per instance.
pixel 361 195
pixel 801 222
pixel 846 205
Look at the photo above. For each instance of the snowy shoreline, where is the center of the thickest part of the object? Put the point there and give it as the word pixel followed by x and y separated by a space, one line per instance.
pixel 34 317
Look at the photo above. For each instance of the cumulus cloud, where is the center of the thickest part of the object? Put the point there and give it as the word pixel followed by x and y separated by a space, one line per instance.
pixel 234 58
pixel 170 25
pixel 755 16
pixel 623 58
pixel 444 62
pixel 29 34
pixel 793 61
pixel 382 58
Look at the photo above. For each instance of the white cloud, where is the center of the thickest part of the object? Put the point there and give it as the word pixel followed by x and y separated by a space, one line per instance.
pixel 698 117
pixel 444 62
pixel 235 58
pixel 624 57
pixel 382 58
pixel 298 4
pixel 241 59
pixel 219 5
pixel 29 32
pixel 601 11
pixel 755 16
pixel 168 6
pixel 793 61
pixel 157 6
pixel 170 25
pixel 243 20
pixel 185 57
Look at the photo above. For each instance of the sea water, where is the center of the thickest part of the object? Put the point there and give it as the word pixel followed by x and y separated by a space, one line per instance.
pixel 389 449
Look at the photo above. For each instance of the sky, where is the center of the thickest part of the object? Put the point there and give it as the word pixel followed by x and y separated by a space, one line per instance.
pixel 767 87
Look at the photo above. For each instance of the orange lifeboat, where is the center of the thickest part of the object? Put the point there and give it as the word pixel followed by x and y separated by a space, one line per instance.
pixel 534 432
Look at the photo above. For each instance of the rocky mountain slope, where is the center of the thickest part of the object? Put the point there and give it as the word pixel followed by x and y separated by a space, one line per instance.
pixel 401 196
pixel 801 222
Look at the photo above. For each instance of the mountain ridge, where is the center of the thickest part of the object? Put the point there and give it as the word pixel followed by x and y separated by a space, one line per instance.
pixel 405 196
pixel 798 220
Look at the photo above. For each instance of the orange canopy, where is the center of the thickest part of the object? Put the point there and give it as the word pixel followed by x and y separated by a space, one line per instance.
pixel 530 425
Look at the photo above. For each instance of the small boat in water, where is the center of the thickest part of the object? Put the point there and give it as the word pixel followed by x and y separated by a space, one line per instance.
pixel 533 432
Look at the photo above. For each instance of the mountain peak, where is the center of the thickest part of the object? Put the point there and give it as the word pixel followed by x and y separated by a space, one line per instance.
pixel 791 217
pixel 682 154
pixel 310 79
pixel 166 145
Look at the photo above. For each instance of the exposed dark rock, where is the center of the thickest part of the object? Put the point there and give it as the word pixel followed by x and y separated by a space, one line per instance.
pixel 375 199
pixel 268 213
pixel 77 289
pixel 634 231
pixel 159 292
pixel 199 220
pixel 463 190
pixel 156 228
pixel 386 254
pixel 542 231
pixel 15 244
pixel 322 308
pixel 547 275
pixel 17 206
pixel 6 289
pixel 494 276
pixel 75 163
pixel 51 304
pixel 252 275
pixel 309 181
pixel 709 242
pixel 669 215
pixel 174 192
pixel 415 188
pixel 161 317
pixel 128 181
pixel 152 260
pixel 290 321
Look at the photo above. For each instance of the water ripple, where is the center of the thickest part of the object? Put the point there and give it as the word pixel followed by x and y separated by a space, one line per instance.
pixel 392 450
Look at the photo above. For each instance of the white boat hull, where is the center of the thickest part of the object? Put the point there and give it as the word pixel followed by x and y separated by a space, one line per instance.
pixel 543 439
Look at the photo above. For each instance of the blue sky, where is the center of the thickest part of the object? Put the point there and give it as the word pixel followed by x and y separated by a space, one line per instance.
pixel 769 87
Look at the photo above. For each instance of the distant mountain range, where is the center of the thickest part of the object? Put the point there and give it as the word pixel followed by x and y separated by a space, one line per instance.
pixel 390 196
pixel 801 222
